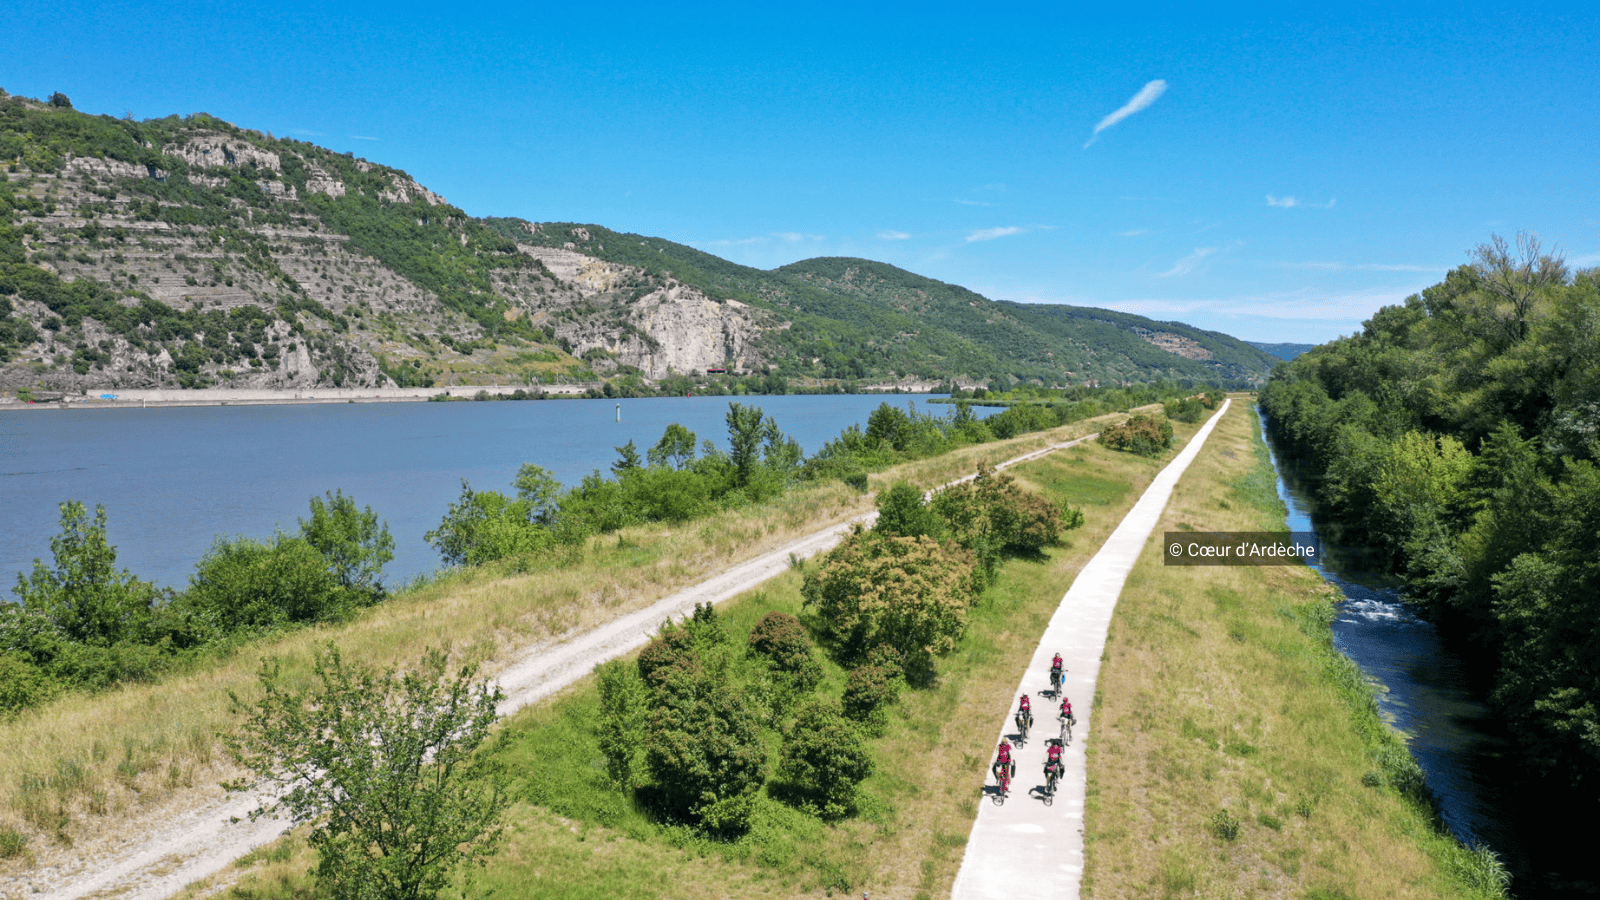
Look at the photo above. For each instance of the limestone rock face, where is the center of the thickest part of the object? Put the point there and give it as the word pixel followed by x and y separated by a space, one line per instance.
pixel 667 328
pixel 209 150
pixel 318 181
pixel 405 190
pixel 588 275
pixel 106 168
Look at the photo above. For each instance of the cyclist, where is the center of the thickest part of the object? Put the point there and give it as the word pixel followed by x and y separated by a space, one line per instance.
pixel 1052 762
pixel 1004 766
pixel 1066 718
pixel 1055 673
pixel 1024 714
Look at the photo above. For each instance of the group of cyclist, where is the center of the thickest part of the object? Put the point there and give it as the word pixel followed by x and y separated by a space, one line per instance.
pixel 1005 768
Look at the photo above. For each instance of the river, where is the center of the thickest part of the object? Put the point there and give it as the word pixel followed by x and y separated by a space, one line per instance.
pixel 174 479
pixel 1423 689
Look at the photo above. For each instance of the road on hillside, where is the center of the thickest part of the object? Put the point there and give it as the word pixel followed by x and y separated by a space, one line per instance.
pixel 201 842
pixel 1025 848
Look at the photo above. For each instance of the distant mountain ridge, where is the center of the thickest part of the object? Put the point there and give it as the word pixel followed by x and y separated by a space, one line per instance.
pixel 190 252
pixel 1283 351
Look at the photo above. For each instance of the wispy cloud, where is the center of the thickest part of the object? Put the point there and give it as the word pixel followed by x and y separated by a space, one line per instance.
pixel 795 237
pixel 361 137
pixel 1134 233
pixel 971 202
pixel 989 234
pixel 1292 202
pixel 730 242
pixel 887 235
pixel 1142 100
pixel 1189 263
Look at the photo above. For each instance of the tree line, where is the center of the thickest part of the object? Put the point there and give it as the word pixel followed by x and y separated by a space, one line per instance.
pixel 1457 436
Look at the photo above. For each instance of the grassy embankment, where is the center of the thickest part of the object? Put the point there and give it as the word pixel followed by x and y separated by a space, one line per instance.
pixel 89 769
pixel 574 836
pixel 1235 752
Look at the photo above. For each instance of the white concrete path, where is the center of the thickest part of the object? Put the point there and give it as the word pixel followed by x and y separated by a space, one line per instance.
pixel 1024 848
pixel 201 842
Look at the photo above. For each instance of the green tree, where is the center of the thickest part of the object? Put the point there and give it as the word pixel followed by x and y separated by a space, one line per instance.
pixel 903 512
pixel 355 543
pixel 384 766
pixel 60 100
pixel 704 750
pixel 84 594
pixel 781 640
pixel 482 526
pixel 627 460
pixel 824 760
pixel 911 593
pixel 622 718
pixel 675 449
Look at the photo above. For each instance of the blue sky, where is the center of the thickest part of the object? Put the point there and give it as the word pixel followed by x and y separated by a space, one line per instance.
pixel 1274 173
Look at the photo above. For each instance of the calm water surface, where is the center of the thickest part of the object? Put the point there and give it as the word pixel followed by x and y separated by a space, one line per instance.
pixel 174 479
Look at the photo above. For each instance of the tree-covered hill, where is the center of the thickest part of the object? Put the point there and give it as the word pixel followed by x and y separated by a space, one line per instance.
pixel 189 252
pixel 1283 351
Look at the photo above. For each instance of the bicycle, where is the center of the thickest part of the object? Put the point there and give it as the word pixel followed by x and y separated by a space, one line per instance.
pixel 1023 721
pixel 1002 780
pixel 1051 780
pixel 1066 730
pixel 1055 682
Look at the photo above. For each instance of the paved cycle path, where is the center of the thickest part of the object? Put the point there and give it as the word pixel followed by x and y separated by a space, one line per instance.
pixel 1026 848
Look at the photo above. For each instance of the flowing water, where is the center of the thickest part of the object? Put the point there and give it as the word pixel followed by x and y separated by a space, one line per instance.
pixel 174 479
pixel 1424 690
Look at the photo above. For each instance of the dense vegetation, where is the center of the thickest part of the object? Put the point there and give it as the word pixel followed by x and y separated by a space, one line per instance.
pixel 1457 436
pixel 686 728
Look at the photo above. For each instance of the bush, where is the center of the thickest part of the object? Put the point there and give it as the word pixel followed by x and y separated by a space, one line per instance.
pixel 823 761
pixel 671 650
pixel 869 693
pixel 483 526
pixel 781 640
pixel 622 713
pixel 84 595
pixel 22 685
pixel 903 513
pixel 1188 410
pixel 910 593
pixel 1141 435
pixel 243 584
pixel 704 752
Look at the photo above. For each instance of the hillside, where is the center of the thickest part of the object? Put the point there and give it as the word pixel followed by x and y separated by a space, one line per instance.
pixel 1283 351
pixel 190 252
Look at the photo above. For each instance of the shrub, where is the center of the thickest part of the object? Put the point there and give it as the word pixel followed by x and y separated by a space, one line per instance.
pixel 868 694
pixel 781 640
pixel 1141 435
pixel 910 593
pixel 22 684
pixel 823 760
pixel 622 714
pixel 903 513
pixel 672 649
pixel 244 583
pixel 704 752
pixel 355 544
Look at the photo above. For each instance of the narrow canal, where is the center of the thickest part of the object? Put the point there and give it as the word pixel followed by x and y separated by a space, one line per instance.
pixel 1424 690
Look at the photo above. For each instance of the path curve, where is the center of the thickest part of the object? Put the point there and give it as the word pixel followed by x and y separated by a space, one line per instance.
pixel 200 843
pixel 1025 848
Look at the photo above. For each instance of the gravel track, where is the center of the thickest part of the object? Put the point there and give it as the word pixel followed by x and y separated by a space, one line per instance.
pixel 202 841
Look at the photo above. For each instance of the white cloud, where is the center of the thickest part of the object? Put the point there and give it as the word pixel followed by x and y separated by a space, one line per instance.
pixel 1292 202
pixel 972 202
pixel 989 234
pixel 730 242
pixel 1134 233
pixel 887 235
pixel 361 137
pixel 1189 263
pixel 1142 100
pixel 795 237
